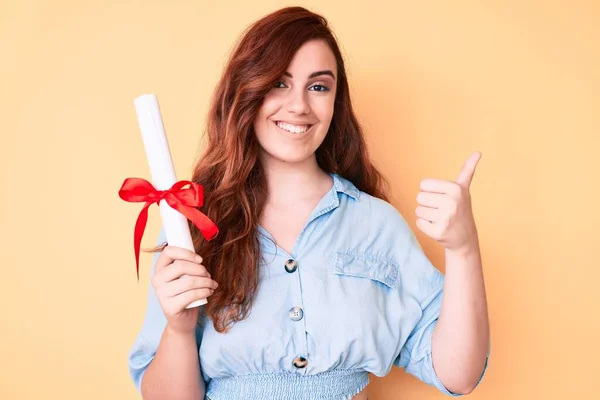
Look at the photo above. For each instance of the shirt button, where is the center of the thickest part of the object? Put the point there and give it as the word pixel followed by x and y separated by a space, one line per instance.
pixel 291 266
pixel 300 362
pixel 296 313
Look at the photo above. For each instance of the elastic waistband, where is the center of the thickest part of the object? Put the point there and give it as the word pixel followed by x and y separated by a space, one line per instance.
pixel 333 385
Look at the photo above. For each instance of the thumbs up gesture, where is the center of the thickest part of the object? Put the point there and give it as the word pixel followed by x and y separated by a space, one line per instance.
pixel 444 211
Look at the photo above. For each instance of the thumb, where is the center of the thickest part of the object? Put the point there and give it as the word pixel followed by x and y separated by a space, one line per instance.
pixel 465 176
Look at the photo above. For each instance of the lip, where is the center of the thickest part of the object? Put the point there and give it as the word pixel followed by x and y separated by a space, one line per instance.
pixel 293 123
pixel 294 135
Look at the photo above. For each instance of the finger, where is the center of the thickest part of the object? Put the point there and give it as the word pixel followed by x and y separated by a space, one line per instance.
pixel 428 214
pixel 468 170
pixel 433 200
pixel 187 283
pixel 438 186
pixel 172 253
pixel 179 268
pixel 426 227
pixel 181 301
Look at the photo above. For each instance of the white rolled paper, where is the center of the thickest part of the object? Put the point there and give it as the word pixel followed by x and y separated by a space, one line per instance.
pixel 163 173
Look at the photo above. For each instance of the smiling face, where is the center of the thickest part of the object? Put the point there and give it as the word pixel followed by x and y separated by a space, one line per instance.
pixel 295 115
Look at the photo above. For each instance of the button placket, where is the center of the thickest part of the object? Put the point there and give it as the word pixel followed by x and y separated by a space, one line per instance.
pixel 296 314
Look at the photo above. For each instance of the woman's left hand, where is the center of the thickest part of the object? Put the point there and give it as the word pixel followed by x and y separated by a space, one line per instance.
pixel 444 211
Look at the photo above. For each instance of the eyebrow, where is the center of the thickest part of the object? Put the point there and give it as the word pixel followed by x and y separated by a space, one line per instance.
pixel 315 74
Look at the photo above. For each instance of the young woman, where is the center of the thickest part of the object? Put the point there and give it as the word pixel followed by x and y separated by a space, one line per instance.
pixel 314 280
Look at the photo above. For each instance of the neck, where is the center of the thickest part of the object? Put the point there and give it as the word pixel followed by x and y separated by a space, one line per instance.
pixel 292 183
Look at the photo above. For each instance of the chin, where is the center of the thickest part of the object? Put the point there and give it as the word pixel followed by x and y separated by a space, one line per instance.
pixel 290 158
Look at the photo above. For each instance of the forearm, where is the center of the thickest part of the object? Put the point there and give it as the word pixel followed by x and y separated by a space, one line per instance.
pixel 174 373
pixel 461 336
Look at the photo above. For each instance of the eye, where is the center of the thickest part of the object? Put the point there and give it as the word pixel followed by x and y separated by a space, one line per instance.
pixel 323 88
pixel 317 87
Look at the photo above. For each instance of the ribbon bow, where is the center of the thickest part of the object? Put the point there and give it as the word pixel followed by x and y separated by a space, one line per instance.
pixel 137 190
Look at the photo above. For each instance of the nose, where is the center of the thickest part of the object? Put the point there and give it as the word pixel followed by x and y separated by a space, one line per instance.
pixel 297 102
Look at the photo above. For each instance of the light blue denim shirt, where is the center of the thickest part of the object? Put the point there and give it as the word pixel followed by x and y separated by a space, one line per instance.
pixel 357 295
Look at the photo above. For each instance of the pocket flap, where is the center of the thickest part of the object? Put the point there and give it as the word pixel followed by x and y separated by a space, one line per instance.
pixel 366 266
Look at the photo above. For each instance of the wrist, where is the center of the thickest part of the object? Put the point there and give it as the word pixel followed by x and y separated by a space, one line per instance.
pixel 465 252
pixel 172 331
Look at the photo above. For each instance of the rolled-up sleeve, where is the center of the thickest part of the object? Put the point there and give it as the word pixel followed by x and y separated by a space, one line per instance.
pixel 423 283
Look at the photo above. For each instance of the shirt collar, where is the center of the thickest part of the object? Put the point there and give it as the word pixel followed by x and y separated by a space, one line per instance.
pixel 329 202
pixel 345 186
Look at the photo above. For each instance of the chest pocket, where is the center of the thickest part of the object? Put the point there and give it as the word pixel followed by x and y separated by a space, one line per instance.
pixel 364 265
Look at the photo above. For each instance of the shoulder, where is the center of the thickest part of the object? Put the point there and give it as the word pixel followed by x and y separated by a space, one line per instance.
pixel 382 215
pixel 377 227
pixel 380 208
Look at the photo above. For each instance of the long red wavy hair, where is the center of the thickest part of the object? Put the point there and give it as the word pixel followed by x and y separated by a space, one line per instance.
pixel 230 169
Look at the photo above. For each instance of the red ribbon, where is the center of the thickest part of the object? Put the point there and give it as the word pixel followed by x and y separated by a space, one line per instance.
pixel 137 190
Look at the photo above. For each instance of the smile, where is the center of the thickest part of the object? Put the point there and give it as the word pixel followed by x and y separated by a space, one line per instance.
pixel 293 129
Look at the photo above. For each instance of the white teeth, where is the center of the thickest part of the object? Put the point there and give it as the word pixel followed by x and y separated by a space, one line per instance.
pixel 292 128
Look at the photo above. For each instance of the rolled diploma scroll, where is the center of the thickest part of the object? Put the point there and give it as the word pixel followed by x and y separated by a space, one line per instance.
pixel 163 173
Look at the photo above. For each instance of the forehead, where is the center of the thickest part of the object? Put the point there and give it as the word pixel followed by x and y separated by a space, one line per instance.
pixel 314 55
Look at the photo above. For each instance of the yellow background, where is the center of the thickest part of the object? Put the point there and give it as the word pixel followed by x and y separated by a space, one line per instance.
pixel 432 81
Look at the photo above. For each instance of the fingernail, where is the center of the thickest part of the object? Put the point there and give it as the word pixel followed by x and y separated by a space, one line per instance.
pixel 198 258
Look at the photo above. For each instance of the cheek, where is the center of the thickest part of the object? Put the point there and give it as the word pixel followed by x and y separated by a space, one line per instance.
pixel 324 113
pixel 267 109
pixel 269 105
pixel 323 108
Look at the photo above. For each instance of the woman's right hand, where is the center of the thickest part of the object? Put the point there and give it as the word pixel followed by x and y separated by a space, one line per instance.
pixel 175 294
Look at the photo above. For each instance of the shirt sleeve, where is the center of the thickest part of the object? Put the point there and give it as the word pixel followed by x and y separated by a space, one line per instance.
pixel 424 283
pixel 146 343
